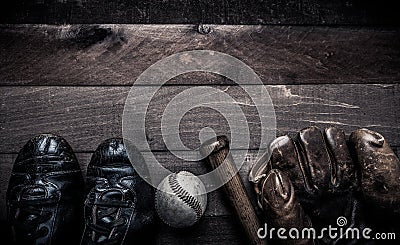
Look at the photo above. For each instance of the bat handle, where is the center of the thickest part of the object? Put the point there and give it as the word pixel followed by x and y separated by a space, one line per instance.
pixel 217 153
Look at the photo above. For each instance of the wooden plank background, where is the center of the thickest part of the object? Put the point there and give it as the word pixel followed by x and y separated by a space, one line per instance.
pixel 301 12
pixel 73 79
pixel 117 54
pixel 91 113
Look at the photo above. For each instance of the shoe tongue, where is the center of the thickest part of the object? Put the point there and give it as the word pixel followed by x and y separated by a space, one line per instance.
pixel 112 195
pixel 33 193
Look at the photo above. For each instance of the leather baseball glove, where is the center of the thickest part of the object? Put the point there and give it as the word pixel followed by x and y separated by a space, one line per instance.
pixel 319 180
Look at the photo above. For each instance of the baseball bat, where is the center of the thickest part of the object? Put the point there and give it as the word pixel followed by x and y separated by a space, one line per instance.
pixel 217 153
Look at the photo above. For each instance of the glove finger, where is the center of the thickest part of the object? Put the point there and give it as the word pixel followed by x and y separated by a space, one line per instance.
pixel 285 157
pixel 343 176
pixel 380 169
pixel 281 207
pixel 315 159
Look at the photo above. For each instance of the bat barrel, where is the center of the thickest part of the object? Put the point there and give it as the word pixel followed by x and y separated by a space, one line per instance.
pixel 217 153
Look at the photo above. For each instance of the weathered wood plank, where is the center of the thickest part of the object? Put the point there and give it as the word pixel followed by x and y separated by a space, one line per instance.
pixel 204 11
pixel 118 54
pixel 87 115
pixel 210 230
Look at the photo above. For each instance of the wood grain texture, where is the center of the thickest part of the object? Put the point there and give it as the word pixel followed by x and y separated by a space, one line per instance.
pixel 87 115
pixel 73 80
pixel 210 230
pixel 202 11
pixel 118 54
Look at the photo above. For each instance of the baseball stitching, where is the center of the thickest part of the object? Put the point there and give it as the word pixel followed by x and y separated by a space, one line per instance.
pixel 185 196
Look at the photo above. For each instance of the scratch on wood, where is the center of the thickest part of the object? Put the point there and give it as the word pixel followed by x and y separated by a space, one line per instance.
pixel 346 124
pixel 286 92
pixel 327 122
pixel 384 85
pixel 244 103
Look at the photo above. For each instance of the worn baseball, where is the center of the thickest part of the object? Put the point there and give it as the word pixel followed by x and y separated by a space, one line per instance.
pixel 179 202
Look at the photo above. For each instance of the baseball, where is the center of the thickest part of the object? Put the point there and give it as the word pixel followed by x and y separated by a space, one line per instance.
pixel 179 202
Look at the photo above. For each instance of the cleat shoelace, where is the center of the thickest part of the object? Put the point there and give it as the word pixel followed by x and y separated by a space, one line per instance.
pixel 106 219
pixel 30 214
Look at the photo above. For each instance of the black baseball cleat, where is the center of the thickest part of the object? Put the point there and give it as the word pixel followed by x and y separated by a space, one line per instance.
pixel 45 193
pixel 119 203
